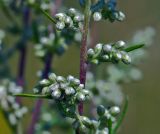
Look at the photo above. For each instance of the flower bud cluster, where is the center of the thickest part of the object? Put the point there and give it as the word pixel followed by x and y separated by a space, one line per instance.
pixel 101 125
pixel 72 19
pixel 54 42
pixel 50 44
pixel 44 4
pixel 8 103
pixel 106 10
pixel 107 116
pixel 109 53
pixel 67 92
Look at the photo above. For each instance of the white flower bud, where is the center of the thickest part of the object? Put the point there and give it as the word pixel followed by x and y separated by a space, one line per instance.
pixel 97 16
pixel 81 86
pixel 60 79
pixel 44 82
pixel 70 78
pixel 90 52
pixel 52 77
pixel 24 110
pixel 105 57
pixel 45 90
pixel 114 110
pixel 98 47
pixel 126 58
pixel 78 18
pixel 120 44
pixel 95 61
pixel 86 92
pixel 69 91
pixel 18 114
pixel 56 94
pixel 63 85
pixel 60 16
pixel 60 25
pixel 53 87
pixel 16 106
pixel 43 40
pixel 121 16
pixel 12 119
pixel 117 56
pixel 86 121
pixel 80 97
pixel 107 48
pixel 68 21
pixel 72 11
pixel 76 81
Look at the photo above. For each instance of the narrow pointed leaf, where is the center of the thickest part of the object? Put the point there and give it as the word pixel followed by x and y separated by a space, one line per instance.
pixel 48 16
pixel 36 6
pixel 129 49
pixel 33 96
pixel 120 120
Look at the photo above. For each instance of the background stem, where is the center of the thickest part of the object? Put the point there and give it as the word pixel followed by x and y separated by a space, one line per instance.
pixel 47 69
pixel 39 102
pixel 22 46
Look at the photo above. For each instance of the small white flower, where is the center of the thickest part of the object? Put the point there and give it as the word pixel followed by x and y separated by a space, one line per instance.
pixel 12 119
pixel 60 25
pixel 97 16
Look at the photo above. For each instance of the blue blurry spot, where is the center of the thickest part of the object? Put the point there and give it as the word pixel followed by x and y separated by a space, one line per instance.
pixel 111 5
pixel 82 2
pixel 60 50
pixel 99 5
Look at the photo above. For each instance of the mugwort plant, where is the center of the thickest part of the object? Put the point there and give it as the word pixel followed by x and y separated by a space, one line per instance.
pixel 51 28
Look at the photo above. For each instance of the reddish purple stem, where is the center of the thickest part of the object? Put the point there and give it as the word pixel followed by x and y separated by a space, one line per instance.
pixel 47 69
pixel 23 49
pixel 21 69
pixel 83 66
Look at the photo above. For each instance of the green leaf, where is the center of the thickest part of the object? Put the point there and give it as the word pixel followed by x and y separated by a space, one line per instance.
pixel 129 49
pixel 33 96
pixel 110 126
pixel 47 15
pixel 36 6
pixel 120 120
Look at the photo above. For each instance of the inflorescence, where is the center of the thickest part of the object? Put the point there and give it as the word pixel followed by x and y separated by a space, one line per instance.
pixel 106 117
pixel 72 19
pixel 113 52
pixel 67 92
pixel 107 10
pixel 12 109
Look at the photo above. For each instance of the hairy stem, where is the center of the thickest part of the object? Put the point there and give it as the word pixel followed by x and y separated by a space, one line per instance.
pixel 83 50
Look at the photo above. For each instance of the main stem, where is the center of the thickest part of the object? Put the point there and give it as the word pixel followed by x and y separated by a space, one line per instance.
pixel 83 50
